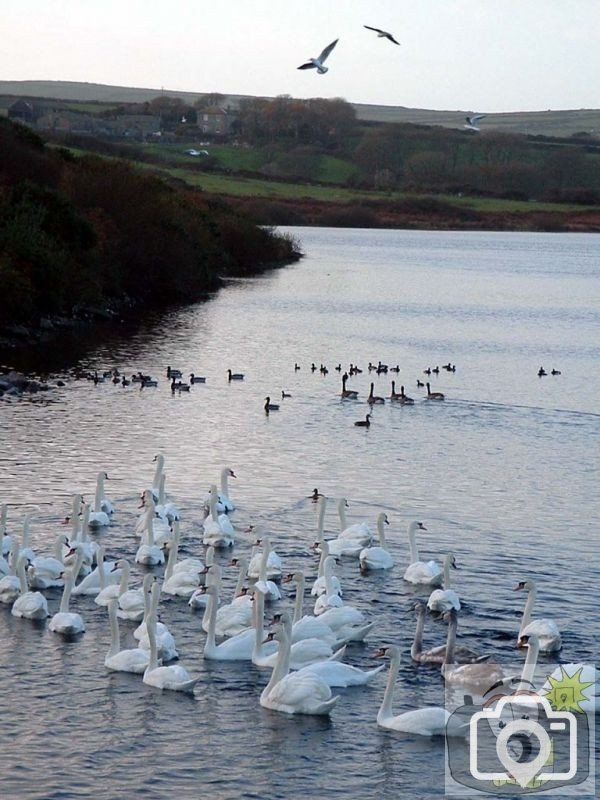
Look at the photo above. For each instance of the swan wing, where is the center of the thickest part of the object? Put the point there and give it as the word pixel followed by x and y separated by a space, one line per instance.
pixel 298 688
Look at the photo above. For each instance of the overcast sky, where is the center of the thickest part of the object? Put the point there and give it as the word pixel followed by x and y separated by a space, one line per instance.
pixel 478 55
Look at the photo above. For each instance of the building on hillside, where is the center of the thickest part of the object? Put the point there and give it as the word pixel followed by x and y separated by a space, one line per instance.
pixel 216 121
pixel 21 111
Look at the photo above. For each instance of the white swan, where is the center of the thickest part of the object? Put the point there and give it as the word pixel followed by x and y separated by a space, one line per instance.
pixel 320 584
pixel 216 533
pixel 31 605
pixel 182 583
pixel 46 572
pixel 479 676
pixel 302 653
pixel 421 572
pixel 10 585
pixel 99 515
pixel 148 552
pixel 432 721
pixel 308 627
pixel 273 566
pixel 114 590
pixel 328 668
pixel 167 650
pixel 224 502
pixel 164 510
pixel 546 630
pixel 358 532
pixel 25 549
pixel 155 489
pixel 80 537
pixel 329 599
pixel 66 622
pixel 132 660
pixel 131 602
pixel 237 648
pixel 444 599
pixel 199 599
pixel 161 527
pixel 347 623
pixel 296 693
pixel 268 587
pixel 234 617
pixel 104 574
pixel 174 677
pixel 371 558
pixel 437 655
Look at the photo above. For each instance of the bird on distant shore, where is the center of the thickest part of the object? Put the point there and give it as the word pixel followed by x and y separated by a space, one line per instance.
pixel 473 120
pixel 381 33
pixel 318 62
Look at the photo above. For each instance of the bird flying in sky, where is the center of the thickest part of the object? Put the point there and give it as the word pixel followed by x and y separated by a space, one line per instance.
pixel 381 33
pixel 318 62
pixel 473 120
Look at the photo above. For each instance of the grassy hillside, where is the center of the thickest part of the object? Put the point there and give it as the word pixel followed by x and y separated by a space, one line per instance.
pixel 545 123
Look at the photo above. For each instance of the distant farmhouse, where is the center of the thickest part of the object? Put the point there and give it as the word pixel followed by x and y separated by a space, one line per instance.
pixel 216 121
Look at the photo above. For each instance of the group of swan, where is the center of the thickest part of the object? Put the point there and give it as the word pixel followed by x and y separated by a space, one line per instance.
pixel 311 645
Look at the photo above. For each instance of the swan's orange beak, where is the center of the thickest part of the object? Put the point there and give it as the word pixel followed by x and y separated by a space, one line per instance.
pixel 379 653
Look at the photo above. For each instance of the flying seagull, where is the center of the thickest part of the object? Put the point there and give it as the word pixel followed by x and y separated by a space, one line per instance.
pixel 473 120
pixel 381 33
pixel 318 62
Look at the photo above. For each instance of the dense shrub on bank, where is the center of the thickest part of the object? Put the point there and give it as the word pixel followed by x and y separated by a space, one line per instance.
pixel 76 233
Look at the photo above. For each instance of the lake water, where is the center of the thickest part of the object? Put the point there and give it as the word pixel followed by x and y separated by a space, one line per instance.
pixel 504 473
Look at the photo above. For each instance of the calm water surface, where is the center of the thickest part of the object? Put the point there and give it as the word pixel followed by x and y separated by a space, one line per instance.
pixel 504 472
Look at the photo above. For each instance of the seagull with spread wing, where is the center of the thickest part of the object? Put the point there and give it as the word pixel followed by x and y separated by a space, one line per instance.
pixel 318 62
pixel 473 120
pixel 381 34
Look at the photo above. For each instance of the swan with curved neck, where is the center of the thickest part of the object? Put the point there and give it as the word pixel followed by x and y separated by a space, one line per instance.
pixel 224 502
pixel 371 558
pixel 215 531
pixel 308 626
pixel 546 630
pixel 114 589
pixel 320 585
pixel 420 572
pixel 160 463
pixel 268 587
pixel 359 531
pixel 329 598
pixel 174 677
pixel 479 676
pixel 148 552
pixel 437 655
pixel 104 574
pixel 131 660
pixel 30 605
pixel 235 617
pixel 181 583
pixel 64 621
pixel 296 693
pixel 99 516
pixel 44 572
pixel 430 721
pixel 164 510
pixel 199 599
pixel 442 600
pixel 237 648
pixel 165 641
